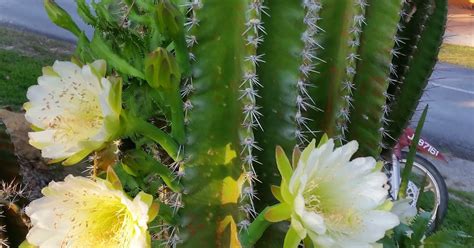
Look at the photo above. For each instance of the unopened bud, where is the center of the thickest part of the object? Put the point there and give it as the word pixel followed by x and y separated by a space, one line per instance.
pixel 170 19
pixel 161 70
pixel 60 17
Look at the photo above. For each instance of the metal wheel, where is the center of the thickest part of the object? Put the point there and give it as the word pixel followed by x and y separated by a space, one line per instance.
pixel 434 196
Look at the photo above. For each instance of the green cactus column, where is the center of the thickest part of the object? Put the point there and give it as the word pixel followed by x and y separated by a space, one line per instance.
pixel 372 78
pixel 336 53
pixel 212 167
pixel 279 75
pixel 417 66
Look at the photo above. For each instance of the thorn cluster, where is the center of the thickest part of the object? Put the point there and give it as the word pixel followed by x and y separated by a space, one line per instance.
pixel 355 31
pixel 395 77
pixel 304 101
pixel 251 112
pixel 192 6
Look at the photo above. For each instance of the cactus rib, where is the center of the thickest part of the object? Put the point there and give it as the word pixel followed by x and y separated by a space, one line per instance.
pixel 337 20
pixel 371 80
pixel 248 96
pixel 212 168
pixel 279 76
pixel 419 71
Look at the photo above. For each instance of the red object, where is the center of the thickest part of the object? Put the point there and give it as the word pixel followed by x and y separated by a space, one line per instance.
pixel 423 145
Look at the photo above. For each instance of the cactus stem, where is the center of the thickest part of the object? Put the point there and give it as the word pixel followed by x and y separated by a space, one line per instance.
pixel 347 86
pixel 249 94
pixel 304 101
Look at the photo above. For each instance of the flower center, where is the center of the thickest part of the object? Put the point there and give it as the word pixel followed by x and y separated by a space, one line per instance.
pixel 80 118
pixel 105 223
pixel 323 199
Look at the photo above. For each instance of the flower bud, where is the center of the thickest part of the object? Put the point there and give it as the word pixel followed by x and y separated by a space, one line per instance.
pixel 60 17
pixel 170 19
pixel 161 70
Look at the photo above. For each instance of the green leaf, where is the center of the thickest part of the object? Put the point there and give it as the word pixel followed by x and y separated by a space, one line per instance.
pixel 307 151
pixel 161 70
pixel 411 154
pixel 323 140
pixel 283 164
pixel 113 178
pixel 295 157
pixel 26 244
pixel 85 13
pixel 100 47
pixel 419 227
pixel 255 230
pixel 446 239
pixel 278 212
pixel 60 17
pixel 292 240
pixel 276 191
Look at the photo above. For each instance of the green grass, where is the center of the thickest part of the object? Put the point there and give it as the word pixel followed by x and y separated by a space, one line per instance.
pixel 458 55
pixel 460 214
pixel 17 73
pixel 22 55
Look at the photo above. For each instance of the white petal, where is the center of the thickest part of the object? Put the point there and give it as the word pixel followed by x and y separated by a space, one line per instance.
pixel 91 81
pixel 66 69
pixel 299 205
pixel 50 82
pixel 36 94
pixel 375 224
pixel 404 210
pixel 41 237
pixel 322 240
pixel 57 151
pixel 104 98
pixel 41 139
pixel 300 230
pixel 313 222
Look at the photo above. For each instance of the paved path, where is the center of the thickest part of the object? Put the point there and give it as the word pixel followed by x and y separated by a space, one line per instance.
pixel 30 14
pixel 450 120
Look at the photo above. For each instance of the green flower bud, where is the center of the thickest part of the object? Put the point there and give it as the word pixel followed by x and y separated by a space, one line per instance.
pixel 161 70
pixel 170 19
pixel 60 17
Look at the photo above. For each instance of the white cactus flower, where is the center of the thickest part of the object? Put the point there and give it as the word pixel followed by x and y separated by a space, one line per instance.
pixel 405 211
pixel 73 110
pixel 333 200
pixel 82 212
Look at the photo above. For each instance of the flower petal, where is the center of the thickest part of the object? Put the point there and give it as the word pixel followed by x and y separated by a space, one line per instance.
pixel 283 164
pixel 292 240
pixel 313 222
pixel 278 212
pixel 66 68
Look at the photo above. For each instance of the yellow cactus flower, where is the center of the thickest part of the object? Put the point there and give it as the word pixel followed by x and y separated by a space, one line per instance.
pixel 333 200
pixel 74 110
pixel 82 212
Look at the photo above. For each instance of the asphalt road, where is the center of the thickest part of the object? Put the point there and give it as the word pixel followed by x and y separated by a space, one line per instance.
pixel 31 15
pixel 450 93
pixel 450 121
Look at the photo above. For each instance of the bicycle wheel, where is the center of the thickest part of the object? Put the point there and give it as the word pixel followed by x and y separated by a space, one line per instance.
pixel 434 197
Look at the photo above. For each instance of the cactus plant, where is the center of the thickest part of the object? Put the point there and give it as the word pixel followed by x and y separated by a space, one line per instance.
pixel 225 82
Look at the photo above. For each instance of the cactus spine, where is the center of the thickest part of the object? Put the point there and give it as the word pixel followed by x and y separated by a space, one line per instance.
pixel 257 74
